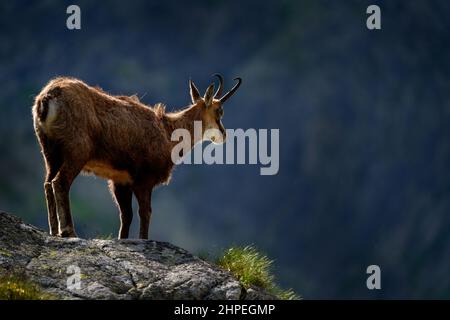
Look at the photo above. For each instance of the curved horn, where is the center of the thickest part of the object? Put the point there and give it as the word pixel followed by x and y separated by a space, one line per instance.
pixel 219 90
pixel 232 91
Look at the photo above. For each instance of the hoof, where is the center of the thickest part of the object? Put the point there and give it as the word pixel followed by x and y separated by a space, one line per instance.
pixel 68 233
pixel 54 234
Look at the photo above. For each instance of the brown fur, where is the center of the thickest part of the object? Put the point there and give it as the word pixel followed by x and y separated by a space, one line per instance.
pixel 83 129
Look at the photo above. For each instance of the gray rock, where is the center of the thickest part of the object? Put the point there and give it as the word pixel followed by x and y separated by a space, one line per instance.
pixel 112 269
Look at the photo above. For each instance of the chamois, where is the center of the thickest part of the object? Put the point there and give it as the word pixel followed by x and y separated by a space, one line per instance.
pixel 84 129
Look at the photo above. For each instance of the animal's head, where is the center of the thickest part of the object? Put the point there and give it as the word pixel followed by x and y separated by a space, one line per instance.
pixel 211 108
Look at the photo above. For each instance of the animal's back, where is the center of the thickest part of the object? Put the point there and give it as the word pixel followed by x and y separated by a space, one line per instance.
pixel 118 135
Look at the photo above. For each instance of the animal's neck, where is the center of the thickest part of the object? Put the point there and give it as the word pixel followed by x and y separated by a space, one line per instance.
pixel 184 119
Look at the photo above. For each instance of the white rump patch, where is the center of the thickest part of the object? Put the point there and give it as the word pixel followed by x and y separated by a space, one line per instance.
pixel 52 111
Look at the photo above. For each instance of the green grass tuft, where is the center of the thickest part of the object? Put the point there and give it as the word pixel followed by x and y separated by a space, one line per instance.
pixel 18 288
pixel 248 265
pixel 251 267
pixel 286 294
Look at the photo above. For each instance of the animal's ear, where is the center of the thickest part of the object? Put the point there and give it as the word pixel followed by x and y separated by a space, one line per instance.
pixel 195 95
pixel 209 95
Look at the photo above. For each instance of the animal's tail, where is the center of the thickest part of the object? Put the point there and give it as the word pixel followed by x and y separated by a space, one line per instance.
pixel 42 103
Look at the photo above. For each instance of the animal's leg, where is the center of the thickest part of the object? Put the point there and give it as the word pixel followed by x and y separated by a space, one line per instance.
pixel 122 195
pixel 53 163
pixel 52 170
pixel 61 187
pixel 143 196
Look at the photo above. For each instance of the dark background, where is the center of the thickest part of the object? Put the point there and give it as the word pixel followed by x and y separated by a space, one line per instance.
pixel 363 118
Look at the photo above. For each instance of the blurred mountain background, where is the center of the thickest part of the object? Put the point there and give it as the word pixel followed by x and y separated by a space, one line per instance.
pixel 364 119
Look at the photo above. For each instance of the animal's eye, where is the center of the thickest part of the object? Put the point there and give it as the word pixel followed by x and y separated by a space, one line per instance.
pixel 220 112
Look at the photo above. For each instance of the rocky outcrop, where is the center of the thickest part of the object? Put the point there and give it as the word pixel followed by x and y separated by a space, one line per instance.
pixel 112 269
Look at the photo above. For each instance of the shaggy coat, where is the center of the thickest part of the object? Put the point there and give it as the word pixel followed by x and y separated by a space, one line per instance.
pixel 83 129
